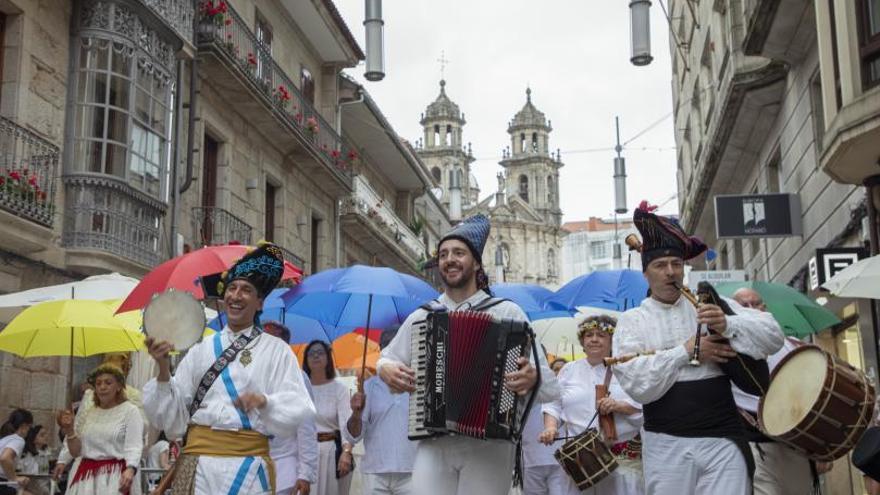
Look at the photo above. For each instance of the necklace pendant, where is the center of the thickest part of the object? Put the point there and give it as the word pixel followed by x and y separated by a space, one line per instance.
pixel 245 358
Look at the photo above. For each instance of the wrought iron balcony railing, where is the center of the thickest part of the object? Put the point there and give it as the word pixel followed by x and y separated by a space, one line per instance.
pixel 366 202
pixel 178 14
pixel 106 214
pixel 215 226
pixel 293 258
pixel 228 34
pixel 28 165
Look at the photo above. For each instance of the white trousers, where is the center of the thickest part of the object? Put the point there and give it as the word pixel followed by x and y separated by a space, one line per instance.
pixel 695 466
pixel 387 484
pixel 327 483
pixel 780 470
pixel 464 466
pixel 627 479
pixel 545 480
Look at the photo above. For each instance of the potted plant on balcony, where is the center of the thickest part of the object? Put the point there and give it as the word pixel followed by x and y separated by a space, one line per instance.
pixel 213 15
pixel 281 96
pixel 312 126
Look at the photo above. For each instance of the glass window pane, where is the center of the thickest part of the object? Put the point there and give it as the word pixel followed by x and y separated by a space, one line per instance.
pixel 94 122
pixel 117 126
pixel 116 160
pixel 873 16
pixel 136 172
pixel 121 63
pixel 119 90
pixel 152 183
pixel 92 87
pixel 87 156
pixel 160 116
pixel 154 149
pixel 138 140
pixel 142 106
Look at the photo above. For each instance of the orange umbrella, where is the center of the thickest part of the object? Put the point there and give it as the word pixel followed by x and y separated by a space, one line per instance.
pixel 348 352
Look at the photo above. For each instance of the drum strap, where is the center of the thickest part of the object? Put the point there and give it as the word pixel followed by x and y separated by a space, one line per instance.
pixel 228 356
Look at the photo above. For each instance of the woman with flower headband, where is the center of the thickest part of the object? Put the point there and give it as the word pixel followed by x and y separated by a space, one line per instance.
pixel 574 412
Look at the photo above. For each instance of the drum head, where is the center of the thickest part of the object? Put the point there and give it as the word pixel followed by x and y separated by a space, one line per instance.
pixel 176 317
pixel 794 390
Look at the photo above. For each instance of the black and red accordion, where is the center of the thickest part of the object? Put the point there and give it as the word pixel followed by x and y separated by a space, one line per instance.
pixel 460 359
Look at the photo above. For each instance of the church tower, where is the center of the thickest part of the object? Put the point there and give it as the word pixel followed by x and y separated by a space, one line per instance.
pixel 443 152
pixel 531 171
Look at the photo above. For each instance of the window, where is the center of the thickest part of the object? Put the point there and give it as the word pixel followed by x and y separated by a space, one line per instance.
pixel 315 245
pixel 522 143
pixel 535 142
pixel 122 115
pixel 447 138
pixel 271 192
pixel 436 135
pixel 773 173
pixel 868 12
pixel 550 189
pixel 263 49
pixel 598 249
pixel 838 94
pixel 437 174
pixel 524 188
pixel 307 85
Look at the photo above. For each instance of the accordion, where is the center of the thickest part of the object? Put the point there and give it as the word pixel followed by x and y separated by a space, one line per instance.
pixel 460 359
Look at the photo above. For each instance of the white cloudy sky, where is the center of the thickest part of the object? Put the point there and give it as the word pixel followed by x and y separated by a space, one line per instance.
pixel 575 56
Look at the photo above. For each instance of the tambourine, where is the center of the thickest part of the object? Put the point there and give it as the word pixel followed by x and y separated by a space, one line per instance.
pixel 176 317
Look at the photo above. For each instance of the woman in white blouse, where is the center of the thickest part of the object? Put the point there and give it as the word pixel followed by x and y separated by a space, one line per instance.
pixel 108 439
pixel 577 407
pixel 333 406
pixel 12 435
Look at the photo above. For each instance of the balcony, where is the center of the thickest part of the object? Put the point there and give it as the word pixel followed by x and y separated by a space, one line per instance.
pixel 215 226
pixel 240 65
pixel 110 226
pixel 289 255
pixel 28 164
pixel 178 14
pixel 369 220
pixel 779 29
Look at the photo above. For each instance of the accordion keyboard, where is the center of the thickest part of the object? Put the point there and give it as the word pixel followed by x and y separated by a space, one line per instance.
pixel 419 364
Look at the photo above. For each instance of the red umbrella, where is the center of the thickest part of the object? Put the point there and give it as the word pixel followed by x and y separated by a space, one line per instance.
pixel 183 272
pixel 374 334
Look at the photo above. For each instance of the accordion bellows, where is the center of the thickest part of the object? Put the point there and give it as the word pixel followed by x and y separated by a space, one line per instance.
pixel 460 359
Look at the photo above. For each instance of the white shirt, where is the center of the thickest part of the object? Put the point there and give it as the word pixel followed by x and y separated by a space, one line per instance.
pixel 399 349
pixel 536 453
pixel 577 406
pixel 385 426
pixel 15 443
pixel 114 433
pixel 154 454
pixel 749 402
pixel 296 455
pixel 273 372
pixel 664 328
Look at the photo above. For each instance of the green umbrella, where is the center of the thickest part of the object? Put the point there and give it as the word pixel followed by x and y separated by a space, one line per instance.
pixel 797 314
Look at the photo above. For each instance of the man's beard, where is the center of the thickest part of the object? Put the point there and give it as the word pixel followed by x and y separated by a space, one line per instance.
pixel 465 276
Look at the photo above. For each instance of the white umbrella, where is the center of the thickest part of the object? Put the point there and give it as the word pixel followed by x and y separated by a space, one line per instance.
pixel 559 335
pixel 861 279
pixel 97 287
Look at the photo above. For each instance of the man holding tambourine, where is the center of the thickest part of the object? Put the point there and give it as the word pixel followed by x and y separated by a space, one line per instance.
pixel 231 391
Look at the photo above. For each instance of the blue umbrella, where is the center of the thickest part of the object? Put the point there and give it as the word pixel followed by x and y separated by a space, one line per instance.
pixel 531 298
pixel 302 330
pixel 343 298
pixel 612 289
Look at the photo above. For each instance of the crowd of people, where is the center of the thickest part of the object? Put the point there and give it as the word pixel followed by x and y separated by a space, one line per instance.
pixel 239 414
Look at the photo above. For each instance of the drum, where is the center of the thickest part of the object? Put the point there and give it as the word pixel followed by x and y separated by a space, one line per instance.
pixel 586 459
pixel 176 317
pixel 816 404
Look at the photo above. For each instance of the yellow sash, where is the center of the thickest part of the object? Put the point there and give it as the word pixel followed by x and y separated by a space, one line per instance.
pixel 202 440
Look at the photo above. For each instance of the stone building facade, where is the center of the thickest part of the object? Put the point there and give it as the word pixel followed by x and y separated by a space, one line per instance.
pixel 134 130
pixel 771 97
pixel 525 245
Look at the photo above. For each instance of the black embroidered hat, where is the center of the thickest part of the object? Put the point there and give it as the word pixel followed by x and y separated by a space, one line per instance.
pixel 262 266
pixel 663 236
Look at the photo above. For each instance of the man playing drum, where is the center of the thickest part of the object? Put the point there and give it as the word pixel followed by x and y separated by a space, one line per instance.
pixel 258 392
pixel 458 464
pixel 693 440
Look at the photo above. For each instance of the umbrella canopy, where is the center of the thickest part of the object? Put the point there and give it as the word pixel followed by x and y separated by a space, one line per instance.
pixel 559 335
pixel 340 297
pixel 618 290
pixel 861 279
pixel 183 272
pixel 71 328
pixel 348 352
pixel 97 287
pixel 797 314
pixel 531 298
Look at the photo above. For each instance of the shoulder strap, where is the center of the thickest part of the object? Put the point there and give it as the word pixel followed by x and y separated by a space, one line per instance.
pixel 488 303
pixel 608 378
pixel 228 356
pixel 433 306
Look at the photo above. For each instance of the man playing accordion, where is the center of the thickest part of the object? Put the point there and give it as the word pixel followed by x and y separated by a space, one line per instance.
pixel 693 439
pixel 458 464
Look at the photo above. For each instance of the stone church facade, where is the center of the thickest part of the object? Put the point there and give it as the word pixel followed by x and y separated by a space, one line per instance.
pixel 526 241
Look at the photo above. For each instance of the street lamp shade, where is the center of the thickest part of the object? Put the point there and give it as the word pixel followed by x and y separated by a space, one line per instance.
pixel 640 32
pixel 374 27
pixel 620 185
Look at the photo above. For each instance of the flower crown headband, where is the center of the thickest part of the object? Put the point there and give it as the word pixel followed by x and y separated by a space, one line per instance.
pixel 596 325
